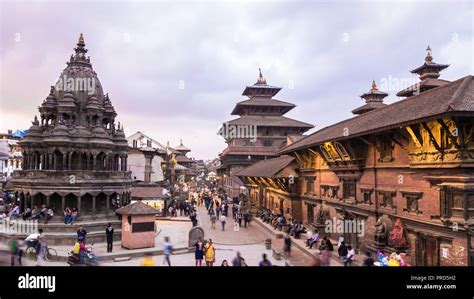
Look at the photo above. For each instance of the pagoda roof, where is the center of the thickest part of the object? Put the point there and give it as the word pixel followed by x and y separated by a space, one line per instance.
pixel 261 89
pixel 422 85
pixel 184 159
pixel 262 102
pixel 454 97
pixel 266 168
pixel 368 107
pixel 427 65
pixel 270 121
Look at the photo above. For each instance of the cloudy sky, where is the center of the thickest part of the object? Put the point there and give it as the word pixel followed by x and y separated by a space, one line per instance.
pixel 175 69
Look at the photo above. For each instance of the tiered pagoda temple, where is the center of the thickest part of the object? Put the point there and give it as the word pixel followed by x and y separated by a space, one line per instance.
pixel 74 153
pixel 261 117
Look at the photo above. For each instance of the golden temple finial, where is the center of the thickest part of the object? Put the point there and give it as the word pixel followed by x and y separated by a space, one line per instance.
pixel 81 40
pixel 374 86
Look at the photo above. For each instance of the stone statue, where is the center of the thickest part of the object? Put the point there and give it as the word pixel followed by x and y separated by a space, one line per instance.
pixel 381 232
pixel 397 236
pixel 323 213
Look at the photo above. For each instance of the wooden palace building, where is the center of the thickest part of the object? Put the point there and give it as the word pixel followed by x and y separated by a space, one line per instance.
pixel 406 170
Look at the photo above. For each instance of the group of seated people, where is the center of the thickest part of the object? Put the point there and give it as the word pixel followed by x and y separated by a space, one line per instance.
pixel 45 213
pixel 295 229
pixel 70 216
pixel 315 238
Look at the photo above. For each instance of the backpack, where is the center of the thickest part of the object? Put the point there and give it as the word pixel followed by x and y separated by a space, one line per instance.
pixel 77 248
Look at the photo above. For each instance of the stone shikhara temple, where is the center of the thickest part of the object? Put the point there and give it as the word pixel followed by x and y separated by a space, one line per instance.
pixel 74 153
pixel 405 169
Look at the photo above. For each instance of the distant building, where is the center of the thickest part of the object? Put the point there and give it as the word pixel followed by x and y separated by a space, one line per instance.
pixel 11 157
pixel 145 158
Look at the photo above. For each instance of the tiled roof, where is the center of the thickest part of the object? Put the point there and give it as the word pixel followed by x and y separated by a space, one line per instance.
pixel 269 121
pixel 453 97
pixel 266 168
pixel 137 208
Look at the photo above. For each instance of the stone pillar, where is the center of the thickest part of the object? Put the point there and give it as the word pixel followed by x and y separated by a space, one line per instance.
pixel 48 200
pixel 64 162
pixel 63 202
pixel 69 157
pixel 32 200
pixel 107 206
pixel 94 162
pixel 79 200
pixel 93 206
pixel 88 162
pixel 55 162
pixel 50 161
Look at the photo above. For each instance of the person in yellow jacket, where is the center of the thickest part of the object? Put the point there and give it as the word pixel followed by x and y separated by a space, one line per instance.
pixel 210 253
pixel 148 261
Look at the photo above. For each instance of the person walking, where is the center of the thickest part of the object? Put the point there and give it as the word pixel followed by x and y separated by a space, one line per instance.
pixel 109 232
pixel 342 251
pixel 167 250
pixel 42 250
pixel 213 221
pixel 325 257
pixel 199 252
pixel 287 245
pixel 237 261
pixel 223 220
pixel 264 262
pixel 210 253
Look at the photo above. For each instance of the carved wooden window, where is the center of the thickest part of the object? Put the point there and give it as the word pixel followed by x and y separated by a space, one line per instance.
pixel 349 189
pixel 267 142
pixel 325 192
pixel 334 191
pixel 412 205
pixel 452 203
pixel 386 199
pixel 385 151
pixel 310 186
pixel 367 196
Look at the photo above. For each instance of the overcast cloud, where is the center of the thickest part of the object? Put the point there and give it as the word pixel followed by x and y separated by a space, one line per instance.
pixel 175 69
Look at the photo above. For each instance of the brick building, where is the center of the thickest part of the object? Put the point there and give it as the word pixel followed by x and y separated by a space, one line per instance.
pixel 404 170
